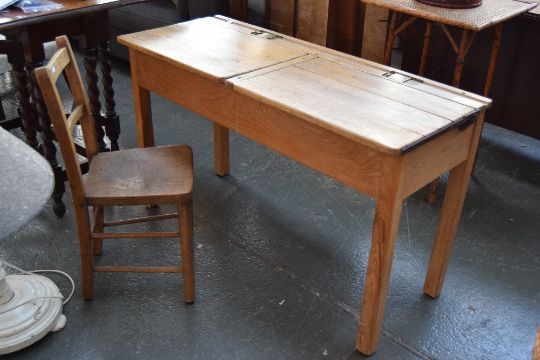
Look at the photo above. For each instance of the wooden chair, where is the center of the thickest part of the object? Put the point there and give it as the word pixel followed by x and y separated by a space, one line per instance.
pixel 127 177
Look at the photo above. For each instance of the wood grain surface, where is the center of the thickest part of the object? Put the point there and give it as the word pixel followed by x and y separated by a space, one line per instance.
pixel 364 102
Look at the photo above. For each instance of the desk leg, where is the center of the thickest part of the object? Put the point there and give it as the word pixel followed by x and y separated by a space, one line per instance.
pixel 450 215
pixel 143 106
pixel 90 64
pixel 385 227
pixel 47 135
pixel 112 120
pixel 221 150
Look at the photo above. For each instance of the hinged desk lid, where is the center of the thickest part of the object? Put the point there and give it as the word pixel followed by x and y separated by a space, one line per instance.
pixel 212 47
pixel 389 111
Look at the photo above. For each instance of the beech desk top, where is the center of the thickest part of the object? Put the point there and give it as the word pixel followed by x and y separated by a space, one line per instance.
pixel 491 12
pixel 380 107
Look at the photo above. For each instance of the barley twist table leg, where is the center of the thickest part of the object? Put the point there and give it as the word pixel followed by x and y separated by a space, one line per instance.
pixel 47 136
pixel 112 120
pixel 29 123
pixel 90 64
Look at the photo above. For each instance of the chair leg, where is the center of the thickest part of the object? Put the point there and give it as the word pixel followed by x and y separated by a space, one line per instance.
pixel 83 228
pixel 185 214
pixel 98 228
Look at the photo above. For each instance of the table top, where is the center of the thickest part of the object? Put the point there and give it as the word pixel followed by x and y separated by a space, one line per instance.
pixel 13 17
pixel 210 48
pixel 26 183
pixel 491 12
pixel 383 108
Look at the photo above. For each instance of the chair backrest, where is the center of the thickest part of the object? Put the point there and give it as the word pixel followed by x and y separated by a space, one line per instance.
pixel 63 62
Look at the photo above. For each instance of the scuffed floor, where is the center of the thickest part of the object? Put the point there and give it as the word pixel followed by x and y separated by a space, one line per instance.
pixel 281 257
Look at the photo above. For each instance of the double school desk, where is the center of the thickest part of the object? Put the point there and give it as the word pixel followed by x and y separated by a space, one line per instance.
pixel 380 131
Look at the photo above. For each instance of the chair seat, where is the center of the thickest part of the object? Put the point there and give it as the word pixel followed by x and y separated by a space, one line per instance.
pixel 140 176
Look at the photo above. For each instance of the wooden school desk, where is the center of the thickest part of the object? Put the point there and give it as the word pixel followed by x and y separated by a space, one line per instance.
pixel 382 132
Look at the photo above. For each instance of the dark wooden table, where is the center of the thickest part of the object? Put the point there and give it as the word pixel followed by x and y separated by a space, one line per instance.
pixel 25 35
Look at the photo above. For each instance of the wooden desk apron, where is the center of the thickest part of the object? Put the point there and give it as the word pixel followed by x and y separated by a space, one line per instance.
pixel 381 131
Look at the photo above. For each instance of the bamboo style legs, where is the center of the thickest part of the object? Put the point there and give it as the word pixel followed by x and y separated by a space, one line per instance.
pixel 397 25
pixel 110 121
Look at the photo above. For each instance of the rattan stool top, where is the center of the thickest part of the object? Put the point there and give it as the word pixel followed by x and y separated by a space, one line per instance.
pixel 489 13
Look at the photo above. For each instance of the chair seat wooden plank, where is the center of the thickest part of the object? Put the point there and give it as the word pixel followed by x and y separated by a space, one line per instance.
pixel 128 177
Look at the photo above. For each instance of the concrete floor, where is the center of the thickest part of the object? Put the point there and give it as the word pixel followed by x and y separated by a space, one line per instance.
pixel 281 256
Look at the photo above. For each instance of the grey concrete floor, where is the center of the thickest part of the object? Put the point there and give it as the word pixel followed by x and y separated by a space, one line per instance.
pixel 281 255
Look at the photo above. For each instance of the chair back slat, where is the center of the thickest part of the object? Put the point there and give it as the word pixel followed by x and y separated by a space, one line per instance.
pixel 64 62
pixel 74 118
pixel 57 63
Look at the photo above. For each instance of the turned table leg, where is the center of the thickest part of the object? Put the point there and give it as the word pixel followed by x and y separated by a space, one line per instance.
pixel 112 120
pixel 90 64
pixel 47 136
pixel 29 125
